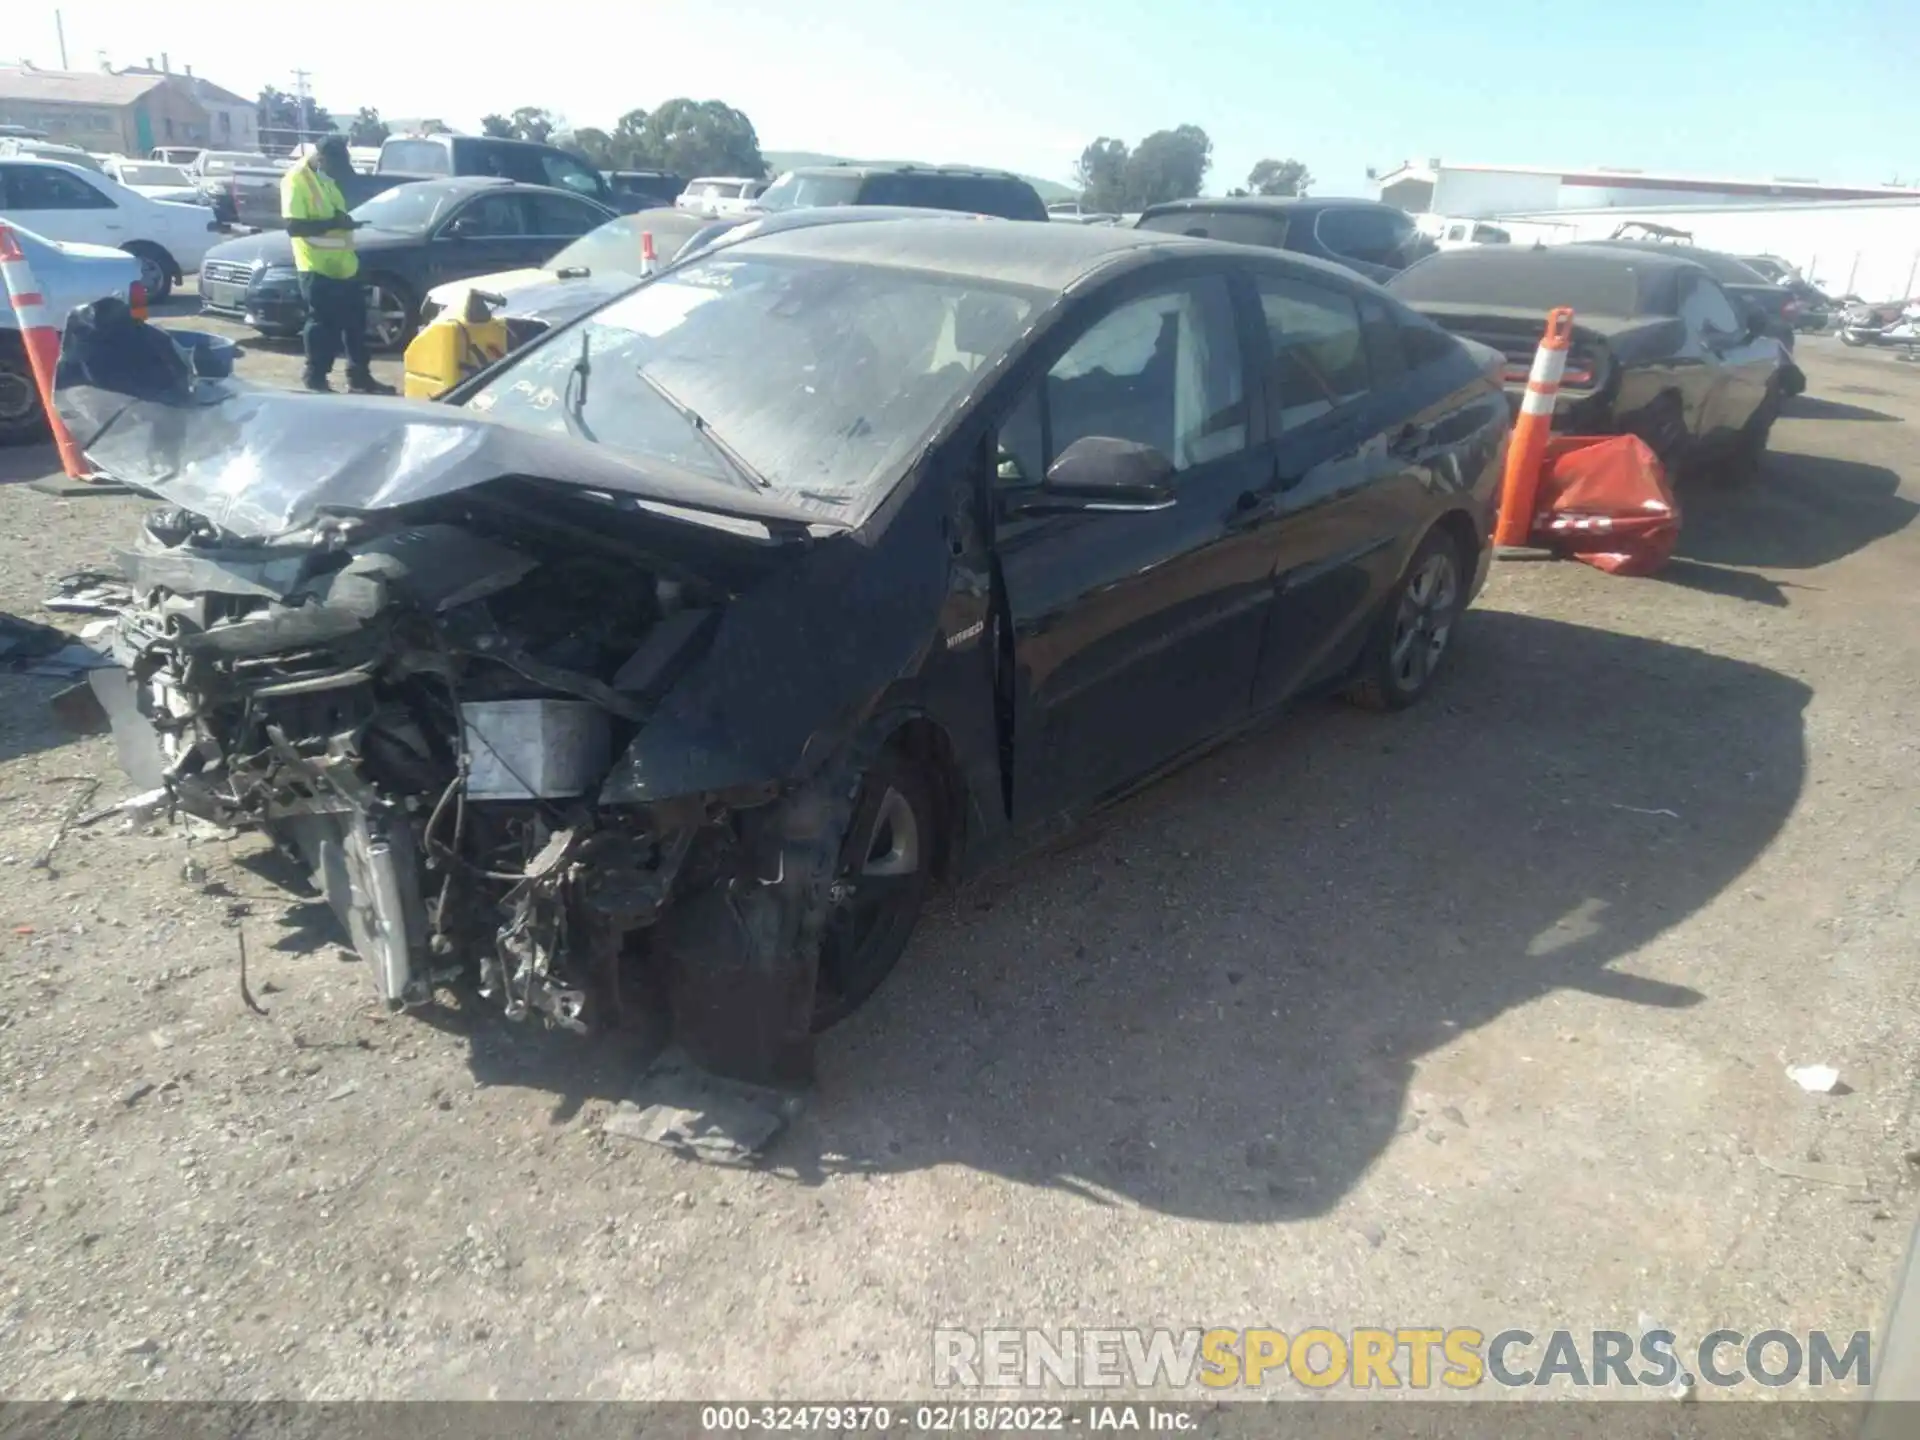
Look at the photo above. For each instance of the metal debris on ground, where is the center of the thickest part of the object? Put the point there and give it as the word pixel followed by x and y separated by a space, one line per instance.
pixel 1820 1174
pixel 89 592
pixel 145 802
pixel 67 819
pixel 702 1117
pixel 1814 1079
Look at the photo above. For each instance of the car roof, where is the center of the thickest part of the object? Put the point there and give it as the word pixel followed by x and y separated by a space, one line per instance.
pixel 1476 273
pixel 1263 204
pixel 864 169
pixel 1729 269
pixel 1041 257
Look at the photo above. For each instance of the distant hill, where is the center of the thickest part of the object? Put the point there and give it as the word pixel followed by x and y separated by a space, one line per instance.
pixel 778 160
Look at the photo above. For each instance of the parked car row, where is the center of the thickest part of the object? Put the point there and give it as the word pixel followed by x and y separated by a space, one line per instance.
pixel 68 202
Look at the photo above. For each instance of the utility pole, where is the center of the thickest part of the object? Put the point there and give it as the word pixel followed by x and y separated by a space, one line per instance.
pixel 61 30
pixel 300 79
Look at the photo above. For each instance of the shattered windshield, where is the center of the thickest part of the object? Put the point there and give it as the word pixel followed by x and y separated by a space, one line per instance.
pixel 814 379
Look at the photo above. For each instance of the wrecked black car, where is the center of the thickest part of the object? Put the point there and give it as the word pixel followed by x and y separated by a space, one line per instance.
pixel 661 671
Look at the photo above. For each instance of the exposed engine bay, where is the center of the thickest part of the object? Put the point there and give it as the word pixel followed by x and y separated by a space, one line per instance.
pixel 419 707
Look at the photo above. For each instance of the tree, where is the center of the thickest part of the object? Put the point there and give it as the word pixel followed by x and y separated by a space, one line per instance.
pixel 284 122
pixel 1279 177
pixel 367 127
pixel 596 147
pixel 698 137
pixel 530 122
pixel 497 126
pixel 1167 165
pixel 1101 174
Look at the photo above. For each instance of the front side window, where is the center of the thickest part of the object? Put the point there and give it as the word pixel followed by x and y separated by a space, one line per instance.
pixel 1319 352
pixel 491 217
pixel 1162 370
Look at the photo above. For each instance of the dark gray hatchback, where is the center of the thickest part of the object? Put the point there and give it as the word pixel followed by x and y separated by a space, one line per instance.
pixel 1374 240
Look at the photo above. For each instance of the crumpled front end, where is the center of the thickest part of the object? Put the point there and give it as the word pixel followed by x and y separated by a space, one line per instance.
pixel 420 712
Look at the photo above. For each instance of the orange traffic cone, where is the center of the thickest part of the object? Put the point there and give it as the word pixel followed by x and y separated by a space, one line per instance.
pixel 1527 450
pixel 42 343
pixel 648 264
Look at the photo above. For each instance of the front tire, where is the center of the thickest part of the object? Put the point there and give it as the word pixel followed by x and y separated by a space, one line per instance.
pixel 879 885
pixel 1412 635
pixel 156 270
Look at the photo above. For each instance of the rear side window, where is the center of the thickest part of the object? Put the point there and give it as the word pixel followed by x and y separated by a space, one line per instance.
pixel 1385 358
pixel 1424 343
pixel 1319 354
pixel 1378 237
pixel 563 172
pixel 1235 226
pixel 560 215
pixel 35 187
pixel 416 157
pixel 974 194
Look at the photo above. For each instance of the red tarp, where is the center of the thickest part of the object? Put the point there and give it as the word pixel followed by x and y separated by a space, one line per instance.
pixel 1603 499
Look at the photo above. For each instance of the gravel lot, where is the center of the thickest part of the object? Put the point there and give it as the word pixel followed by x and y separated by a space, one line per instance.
pixel 1475 1015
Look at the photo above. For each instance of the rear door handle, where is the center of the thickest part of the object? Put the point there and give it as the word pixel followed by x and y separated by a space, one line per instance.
pixel 1252 510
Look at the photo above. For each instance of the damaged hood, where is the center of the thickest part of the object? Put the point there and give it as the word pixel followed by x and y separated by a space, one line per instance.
pixel 261 463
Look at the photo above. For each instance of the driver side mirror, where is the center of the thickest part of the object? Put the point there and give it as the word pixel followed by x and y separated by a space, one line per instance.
pixel 462 227
pixel 1099 474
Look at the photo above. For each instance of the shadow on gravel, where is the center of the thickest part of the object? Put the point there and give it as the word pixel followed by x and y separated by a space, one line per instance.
pixel 1215 1004
pixel 1809 407
pixel 1801 512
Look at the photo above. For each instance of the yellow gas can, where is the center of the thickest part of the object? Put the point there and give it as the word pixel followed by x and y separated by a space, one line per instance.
pixel 455 346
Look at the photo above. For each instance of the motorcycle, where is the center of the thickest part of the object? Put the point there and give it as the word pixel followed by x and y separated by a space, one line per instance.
pixel 1897 324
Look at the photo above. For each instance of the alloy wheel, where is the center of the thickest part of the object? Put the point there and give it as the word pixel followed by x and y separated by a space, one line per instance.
pixel 153 276
pixel 1424 621
pixel 386 317
pixel 874 898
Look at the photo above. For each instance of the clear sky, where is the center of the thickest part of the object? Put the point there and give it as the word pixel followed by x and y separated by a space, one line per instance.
pixel 1734 87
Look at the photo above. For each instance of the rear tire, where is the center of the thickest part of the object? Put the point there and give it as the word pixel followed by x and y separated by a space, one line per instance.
pixel 1743 464
pixel 1415 629
pixel 22 420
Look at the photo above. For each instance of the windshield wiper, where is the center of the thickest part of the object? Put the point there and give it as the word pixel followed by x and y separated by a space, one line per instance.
pixel 706 432
pixel 573 399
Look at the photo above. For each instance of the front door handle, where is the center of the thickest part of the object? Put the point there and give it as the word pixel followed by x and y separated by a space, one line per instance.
pixel 1252 510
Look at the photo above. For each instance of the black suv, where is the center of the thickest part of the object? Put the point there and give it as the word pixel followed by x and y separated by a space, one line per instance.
pixel 1377 241
pixel 925 187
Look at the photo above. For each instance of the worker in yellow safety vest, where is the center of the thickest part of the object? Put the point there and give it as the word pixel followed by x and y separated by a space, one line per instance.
pixel 330 285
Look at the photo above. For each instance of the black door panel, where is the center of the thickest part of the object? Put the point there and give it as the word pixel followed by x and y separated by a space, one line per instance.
pixel 1136 634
